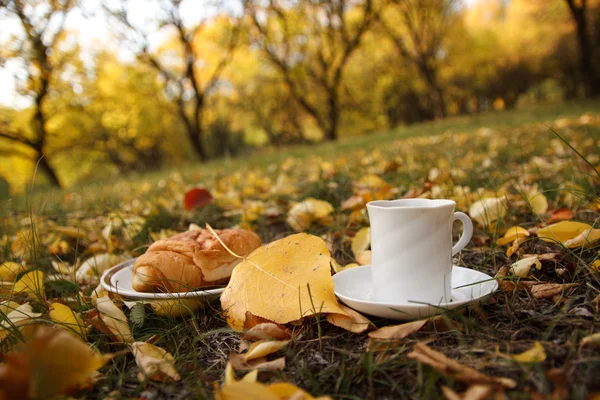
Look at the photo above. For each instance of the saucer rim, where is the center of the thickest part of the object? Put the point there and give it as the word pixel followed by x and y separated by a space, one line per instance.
pixel 105 282
pixel 417 305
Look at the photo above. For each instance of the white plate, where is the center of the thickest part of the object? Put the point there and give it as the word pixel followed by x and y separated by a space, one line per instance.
pixel 354 288
pixel 118 280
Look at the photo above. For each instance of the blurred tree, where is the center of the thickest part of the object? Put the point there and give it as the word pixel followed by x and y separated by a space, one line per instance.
pixel 588 44
pixel 42 24
pixel 183 77
pixel 418 29
pixel 310 44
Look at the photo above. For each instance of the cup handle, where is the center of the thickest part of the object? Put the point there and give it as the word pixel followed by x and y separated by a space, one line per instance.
pixel 465 238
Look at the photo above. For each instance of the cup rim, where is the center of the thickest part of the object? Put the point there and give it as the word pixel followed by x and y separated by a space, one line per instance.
pixel 406 203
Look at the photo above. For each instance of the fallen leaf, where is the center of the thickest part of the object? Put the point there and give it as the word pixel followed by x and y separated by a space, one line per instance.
pixel 285 391
pixel 396 332
pixel 266 331
pixel 31 283
pixel 70 232
pixel 593 339
pixel 176 307
pixel 474 392
pixel 67 318
pixel 156 364
pixel 562 214
pixel 522 267
pixel 93 267
pixel 538 202
pixel 364 258
pixel 560 381
pixel 535 355
pixel 114 319
pixel 354 202
pixel 562 231
pixel 263 348
pixel 488 210
pixel 513 233
pixel 274 281
pixel 245 390
pixel 7 306
pixel 595 266
pixel 338 268
pixel 303 214
pixel 547 290
pixel 361 241
pixel 515 246
pixel 196 198
pixel 53 362
pixel 585 238
pixel 63 268
pixel 10 270
pixel 22 318
pixel 454 369
pixel 261 364
pixel 354 322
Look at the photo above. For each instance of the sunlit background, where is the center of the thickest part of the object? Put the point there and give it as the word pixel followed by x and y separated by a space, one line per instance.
pixel 92 89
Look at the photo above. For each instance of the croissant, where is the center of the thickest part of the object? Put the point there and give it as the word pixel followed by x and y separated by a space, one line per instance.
pixel 191 260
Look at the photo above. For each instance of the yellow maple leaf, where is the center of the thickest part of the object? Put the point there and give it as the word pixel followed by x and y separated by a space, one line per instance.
pixel 31 283
pixel 513 233
pixel 303 214
pixel 9 271
pixel 67 318
pixel 562 231
pixel 274 282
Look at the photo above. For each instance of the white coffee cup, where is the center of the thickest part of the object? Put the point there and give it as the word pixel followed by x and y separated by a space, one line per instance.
pixel 411 244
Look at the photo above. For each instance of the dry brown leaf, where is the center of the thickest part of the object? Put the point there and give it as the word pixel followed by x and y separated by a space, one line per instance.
pixel 263 348
pixel 547 290
pixel 261 364
pixel 585 238
pixel 354 322
pixel 114 319
pixel 397 332
pixel 504 284
pixel 267 331
pixel 156 363
pixel 274 282
pixel 560 381
pixel 522 267
pixel 53 362
pixel 22 318
pixel 562 214
pixel 453 369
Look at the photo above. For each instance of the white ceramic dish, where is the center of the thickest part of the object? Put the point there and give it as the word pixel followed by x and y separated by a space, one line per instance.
pixel 354 288
pixel 118 280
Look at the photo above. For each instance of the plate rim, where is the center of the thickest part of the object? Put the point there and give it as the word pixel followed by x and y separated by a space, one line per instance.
pixel 417 306
pixel 105 282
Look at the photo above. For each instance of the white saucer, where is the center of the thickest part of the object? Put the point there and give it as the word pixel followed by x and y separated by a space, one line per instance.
pixel 354 288
pixel 118 280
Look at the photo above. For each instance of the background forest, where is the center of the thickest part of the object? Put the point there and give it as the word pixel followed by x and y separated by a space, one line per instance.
pixel 172 81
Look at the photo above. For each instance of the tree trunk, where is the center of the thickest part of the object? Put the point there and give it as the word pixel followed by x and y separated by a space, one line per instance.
pixel 331 132
pixel 195 136
pixel 435 92
pixel 48 170
pixel 590 78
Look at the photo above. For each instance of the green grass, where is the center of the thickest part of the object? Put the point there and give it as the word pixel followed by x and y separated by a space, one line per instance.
pixel 455 158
